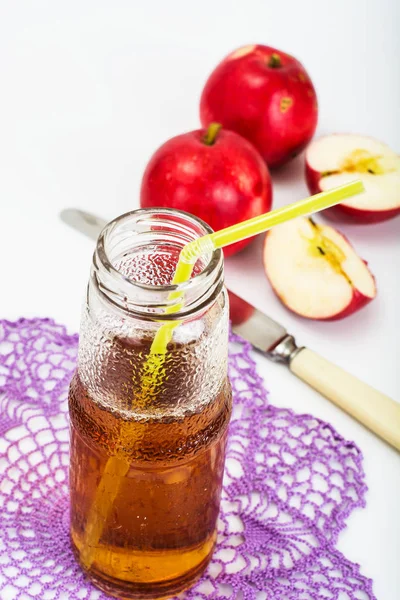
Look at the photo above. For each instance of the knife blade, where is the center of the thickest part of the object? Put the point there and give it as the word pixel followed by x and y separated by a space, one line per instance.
pixel 254 326
pixel 260 330
pixel 87 223
pixel 370 407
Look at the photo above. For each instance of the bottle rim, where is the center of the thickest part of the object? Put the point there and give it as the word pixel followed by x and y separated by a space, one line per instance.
pixel 147 226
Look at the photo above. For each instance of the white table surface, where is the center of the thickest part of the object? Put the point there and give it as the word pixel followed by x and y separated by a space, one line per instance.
pixel 88 90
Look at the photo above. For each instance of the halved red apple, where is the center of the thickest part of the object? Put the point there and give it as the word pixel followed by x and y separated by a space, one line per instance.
pixel 339 158
pixel 315 272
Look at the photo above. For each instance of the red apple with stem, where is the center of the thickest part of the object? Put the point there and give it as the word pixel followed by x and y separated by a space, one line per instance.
pixel 315 271
pixel 212 173
pixel 340 158
pixel 266 96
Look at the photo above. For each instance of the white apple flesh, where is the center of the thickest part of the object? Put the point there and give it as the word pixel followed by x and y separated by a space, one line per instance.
pixel 315 272
pixel 340 158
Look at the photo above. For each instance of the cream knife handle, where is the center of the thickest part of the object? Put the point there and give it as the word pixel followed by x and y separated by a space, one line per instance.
pixel 373 409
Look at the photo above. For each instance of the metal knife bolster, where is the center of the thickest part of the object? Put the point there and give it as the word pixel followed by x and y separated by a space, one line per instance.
pixel 285 350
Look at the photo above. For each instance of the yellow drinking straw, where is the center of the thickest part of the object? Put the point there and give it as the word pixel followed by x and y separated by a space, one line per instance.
pixel 116 467
pixel 238 232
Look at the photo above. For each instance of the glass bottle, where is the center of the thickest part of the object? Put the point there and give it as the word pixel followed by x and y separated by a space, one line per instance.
pixel 147 459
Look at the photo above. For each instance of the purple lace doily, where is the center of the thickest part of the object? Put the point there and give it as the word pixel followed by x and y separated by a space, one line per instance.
pixel 290 483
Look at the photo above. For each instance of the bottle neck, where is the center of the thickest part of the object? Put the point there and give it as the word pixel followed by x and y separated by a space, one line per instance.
pixel 135 259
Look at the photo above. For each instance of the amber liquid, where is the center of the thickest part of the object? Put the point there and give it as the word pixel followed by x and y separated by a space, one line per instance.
pixel 159 531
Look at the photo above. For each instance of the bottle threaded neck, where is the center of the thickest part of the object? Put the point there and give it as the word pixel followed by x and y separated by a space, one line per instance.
pixel 135 260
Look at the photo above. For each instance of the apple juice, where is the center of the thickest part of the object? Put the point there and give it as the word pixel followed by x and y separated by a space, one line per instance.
pixel 146 471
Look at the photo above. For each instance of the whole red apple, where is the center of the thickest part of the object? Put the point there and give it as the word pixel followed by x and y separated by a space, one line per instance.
pixel 266 96
pixel 212 173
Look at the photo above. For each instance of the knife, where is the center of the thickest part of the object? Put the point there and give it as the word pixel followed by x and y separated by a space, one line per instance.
pixel 370 407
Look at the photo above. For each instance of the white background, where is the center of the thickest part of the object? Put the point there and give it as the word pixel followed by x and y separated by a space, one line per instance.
pixel 88 91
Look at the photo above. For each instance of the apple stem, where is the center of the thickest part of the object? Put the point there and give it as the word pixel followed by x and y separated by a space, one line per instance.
pixel 275 61
pixel 211 133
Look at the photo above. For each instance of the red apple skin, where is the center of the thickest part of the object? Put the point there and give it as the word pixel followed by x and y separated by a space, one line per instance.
pixel 222 183
pixel 239 310
pixel 358 300
pixel 347 214
pixel 275 108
